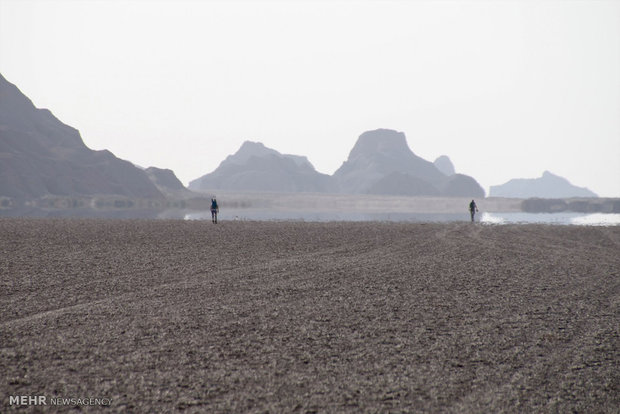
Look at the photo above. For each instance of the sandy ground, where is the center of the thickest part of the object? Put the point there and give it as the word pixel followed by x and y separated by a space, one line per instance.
pixel 161 316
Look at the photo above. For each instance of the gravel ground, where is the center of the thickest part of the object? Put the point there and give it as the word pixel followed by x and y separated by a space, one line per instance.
pixel 161 316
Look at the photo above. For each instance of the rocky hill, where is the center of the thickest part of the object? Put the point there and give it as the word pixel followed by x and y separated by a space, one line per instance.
pixel 381 162
pixel 444 164
pixel 255 167
pixel 41 156
pixel 547 186
pixel 167 182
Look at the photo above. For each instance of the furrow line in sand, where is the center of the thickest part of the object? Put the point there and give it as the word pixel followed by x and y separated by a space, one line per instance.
pixel 224 276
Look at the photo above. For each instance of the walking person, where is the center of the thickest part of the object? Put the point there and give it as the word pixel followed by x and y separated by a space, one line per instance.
pixel 214 210
pixel 473 209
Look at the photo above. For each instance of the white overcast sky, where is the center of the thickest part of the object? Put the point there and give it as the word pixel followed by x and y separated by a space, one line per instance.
pixel 506 89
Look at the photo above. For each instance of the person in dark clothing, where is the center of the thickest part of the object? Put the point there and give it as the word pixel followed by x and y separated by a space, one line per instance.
pixel 214 210
pixel 473 209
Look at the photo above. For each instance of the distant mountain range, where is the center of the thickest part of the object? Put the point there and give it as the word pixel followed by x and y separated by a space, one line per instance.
pixel 41 156
pixel 379 163
pixel 547 186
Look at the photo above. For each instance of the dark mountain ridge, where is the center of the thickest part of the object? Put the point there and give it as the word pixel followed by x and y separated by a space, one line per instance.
pixel 42 156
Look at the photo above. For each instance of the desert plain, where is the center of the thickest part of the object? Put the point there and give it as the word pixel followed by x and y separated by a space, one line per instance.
pixel 344 317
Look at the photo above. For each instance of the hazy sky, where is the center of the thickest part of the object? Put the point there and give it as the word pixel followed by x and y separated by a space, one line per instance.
pixel 506 89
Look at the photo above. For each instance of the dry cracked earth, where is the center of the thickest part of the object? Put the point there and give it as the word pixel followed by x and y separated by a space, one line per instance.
pixel 177 316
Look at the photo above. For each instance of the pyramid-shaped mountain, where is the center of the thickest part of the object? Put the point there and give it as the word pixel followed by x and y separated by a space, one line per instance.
pixel 42 156
pixel 255 167
pixel 381 162
pixel 547 186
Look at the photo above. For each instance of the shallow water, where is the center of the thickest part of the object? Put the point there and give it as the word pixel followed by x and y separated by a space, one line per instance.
pixel 487 218
pixel 567 218
pixel 263 214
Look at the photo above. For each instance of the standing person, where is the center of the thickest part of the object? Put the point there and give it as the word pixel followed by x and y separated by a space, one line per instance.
pixel 214 210
pixel 473 209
